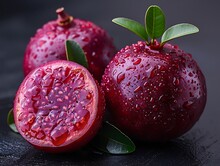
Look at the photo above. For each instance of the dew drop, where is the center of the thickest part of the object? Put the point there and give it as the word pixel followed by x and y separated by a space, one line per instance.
pixel 93 53
pixel 41 42
pixel 51 35
pixel 75 35
pixel 138 89
pixel 137 61
pixel 145 84
pixel 137 107
pixel 151 99
pixel 85 39
pixel 176 81
pixel 130 68
pixel 187 104
pixel 153 73
pixel 120 77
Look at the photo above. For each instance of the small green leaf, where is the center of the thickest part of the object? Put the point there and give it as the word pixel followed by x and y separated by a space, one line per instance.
pixel 75 53
pixel 154 22
pixel 10 120
pixel 178 31
pixel 133 26
pixel 111 140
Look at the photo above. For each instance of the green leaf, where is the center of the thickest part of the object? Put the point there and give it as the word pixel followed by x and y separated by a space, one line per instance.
pixel 111 140
pixel 133 26
pixel 75 53
pixel 10 120
pixel 154 22
pixel 178 31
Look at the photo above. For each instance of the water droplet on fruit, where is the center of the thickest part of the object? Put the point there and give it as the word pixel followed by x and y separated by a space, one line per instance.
pixel 120 77
pixel 51 35
pixel 85 39
pixel 121 61
pixel 75 35
pixel 187 104
pixel 160 97
pixel 175 81
pixel 137 107
pixel 41 42
pixel 145 84
pixel 93 53
pixel 153 73
pixel 137 61
pixel 114 72
pixel 52 52
pixel 138 89
pixel 130 68
pixel 151 99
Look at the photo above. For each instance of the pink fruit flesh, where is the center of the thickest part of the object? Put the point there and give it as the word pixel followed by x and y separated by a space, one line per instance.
pixel 49 44
pixel 58 107
pixel 154 95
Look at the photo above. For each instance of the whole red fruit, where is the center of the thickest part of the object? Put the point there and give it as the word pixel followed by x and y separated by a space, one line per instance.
pixel 154 95
pixel 59 107
pixel 49 43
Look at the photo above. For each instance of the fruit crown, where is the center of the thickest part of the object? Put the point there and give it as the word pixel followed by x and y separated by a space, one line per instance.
pixel 155 27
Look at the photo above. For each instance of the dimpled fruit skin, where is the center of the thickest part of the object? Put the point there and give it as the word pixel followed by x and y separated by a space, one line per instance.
pixel 154 95
pixel 49 44
pixel 59 107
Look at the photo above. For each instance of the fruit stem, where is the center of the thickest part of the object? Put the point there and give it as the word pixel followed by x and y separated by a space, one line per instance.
pixel 155 45
pixel 63 18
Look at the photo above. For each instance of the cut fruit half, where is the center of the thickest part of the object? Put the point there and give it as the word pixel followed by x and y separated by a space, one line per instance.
pixel 59 107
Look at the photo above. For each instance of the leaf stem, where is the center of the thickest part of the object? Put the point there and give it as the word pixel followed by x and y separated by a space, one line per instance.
pixel 152 41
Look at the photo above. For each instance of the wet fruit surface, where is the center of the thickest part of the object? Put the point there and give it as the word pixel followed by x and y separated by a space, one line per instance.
pixel 49 44
pixel 58 105
pixel 154 95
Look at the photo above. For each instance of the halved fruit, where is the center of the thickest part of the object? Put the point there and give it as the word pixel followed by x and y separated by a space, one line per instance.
pixel 59 107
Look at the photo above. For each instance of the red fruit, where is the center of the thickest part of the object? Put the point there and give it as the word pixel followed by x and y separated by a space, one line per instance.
pixel 154 95
pixel 49 43
pixel 59 107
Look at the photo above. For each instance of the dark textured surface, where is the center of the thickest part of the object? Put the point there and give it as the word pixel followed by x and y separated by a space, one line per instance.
pixel 19 21
pixel 198 147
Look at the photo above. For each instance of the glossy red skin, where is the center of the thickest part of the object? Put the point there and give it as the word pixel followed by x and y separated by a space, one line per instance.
pixel 49 44
pixel 75 142
pixel 154 95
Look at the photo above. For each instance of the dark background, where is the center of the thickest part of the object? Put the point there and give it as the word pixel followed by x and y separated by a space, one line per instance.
pixel 19 21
